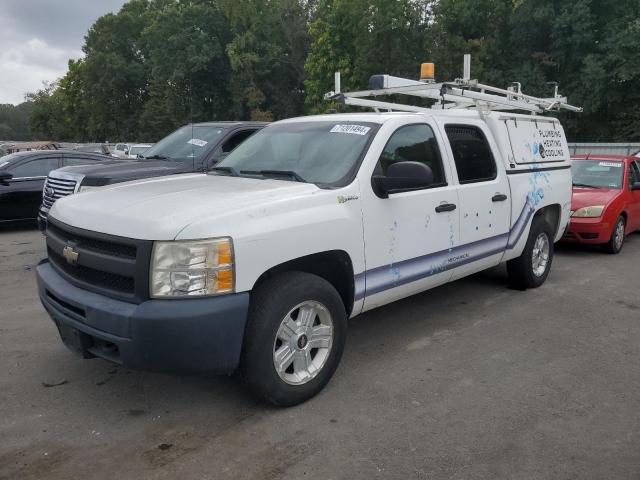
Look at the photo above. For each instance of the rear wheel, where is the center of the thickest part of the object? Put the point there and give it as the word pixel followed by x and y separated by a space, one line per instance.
pixel 530 270
pixel 295 336
pixel 615 243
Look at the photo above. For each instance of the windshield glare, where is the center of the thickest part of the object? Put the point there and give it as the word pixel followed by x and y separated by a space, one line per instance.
pixel 317 152
pixel 187 143
pixel 598 173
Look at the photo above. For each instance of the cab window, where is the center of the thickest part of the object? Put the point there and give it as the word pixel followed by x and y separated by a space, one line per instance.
pixel 471 153
pixel 35 168
pixel 413 143
pixel 236 139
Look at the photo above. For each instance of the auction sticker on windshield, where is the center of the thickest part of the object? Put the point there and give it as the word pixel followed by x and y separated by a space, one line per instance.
pixel 352 129
pixel 197 142
pixel 610 164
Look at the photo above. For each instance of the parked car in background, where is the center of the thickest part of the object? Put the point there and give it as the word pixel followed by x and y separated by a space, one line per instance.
pixel 11 147
pixel 139 149
pixel 191 148
pixel 121 150
pixel 101 148
pixel 606 200
pixel 23 174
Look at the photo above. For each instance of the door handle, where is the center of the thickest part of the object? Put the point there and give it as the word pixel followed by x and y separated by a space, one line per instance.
pixel 499 197
pixel 445 207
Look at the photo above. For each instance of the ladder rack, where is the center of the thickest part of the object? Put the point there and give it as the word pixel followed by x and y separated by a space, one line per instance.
pixel 461 93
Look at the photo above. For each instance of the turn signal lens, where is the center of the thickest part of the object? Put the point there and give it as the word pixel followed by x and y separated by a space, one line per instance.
pixel 224 280
pixel 224 253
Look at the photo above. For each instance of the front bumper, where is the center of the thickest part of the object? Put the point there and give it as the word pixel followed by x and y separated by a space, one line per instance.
pixel 588 230
pixel 185 335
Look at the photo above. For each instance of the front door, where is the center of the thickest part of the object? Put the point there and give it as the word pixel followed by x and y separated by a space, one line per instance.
pixel 409 236
pixel 634 204
pixel 23 195
pixel 484 194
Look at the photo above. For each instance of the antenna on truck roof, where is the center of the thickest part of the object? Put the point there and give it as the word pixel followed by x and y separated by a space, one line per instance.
pixel 461 93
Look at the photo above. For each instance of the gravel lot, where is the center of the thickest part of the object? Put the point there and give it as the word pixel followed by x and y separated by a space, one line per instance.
pixel 470 380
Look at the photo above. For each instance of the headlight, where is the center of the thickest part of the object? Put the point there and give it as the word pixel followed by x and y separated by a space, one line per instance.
pixel 86 188
pixel 192 268
pixel 593 211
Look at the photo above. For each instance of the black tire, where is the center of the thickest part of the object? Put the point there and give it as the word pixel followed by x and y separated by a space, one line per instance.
pixel 271 302
pixel 521 269
pixel 614 245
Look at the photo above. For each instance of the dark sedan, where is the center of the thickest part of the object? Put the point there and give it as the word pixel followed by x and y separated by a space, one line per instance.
pixel 22 177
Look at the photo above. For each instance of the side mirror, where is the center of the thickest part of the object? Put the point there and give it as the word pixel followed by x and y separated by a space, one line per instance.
pixel 402 177
pixel 5 177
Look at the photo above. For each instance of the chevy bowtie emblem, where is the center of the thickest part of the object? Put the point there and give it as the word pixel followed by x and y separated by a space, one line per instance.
pixel 70 254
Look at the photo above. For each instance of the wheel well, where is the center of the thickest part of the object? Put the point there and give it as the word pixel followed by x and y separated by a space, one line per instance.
pixel 624 214
pixel 334 266
pixel 551 214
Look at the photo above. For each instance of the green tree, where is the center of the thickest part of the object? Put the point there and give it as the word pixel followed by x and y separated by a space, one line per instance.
pixel 114 74
pixel 187 66
pixel 14 121
pixel 267 55
pixel 360 38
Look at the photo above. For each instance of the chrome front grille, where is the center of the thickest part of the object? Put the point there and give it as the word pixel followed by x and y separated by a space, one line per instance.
pixel 55 188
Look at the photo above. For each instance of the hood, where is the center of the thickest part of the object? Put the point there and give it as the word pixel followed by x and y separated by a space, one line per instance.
pixel 160 208
pixel 586 197
pixel 106 173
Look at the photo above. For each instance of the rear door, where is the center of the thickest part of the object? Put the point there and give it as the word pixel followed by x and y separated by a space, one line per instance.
pixel 484 196
pixel 23 194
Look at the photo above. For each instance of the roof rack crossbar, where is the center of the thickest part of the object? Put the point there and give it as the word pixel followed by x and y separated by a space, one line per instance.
pixel 461 93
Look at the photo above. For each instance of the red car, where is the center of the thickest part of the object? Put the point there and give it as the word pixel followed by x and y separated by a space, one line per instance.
pixel 606 200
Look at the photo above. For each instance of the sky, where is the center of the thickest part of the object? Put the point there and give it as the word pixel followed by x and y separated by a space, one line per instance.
pixel 38 37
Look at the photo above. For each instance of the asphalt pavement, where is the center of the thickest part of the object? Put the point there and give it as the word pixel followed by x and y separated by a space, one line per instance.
pixel 471 380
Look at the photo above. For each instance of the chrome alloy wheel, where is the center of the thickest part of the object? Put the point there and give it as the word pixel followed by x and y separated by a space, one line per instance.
pixel 303 343
pixel 540 255
pixel 618 235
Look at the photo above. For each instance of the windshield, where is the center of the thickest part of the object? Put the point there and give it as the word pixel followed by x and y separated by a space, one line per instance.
pixel 597 173
pixel 187 143
pixel 7 159
pixel 324 153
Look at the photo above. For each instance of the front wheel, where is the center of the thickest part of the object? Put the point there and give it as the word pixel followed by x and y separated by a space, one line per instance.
pixel 294 339
pixel 530 270
pixel 615 243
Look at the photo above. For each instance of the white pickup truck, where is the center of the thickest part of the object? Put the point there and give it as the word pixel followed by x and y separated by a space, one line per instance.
pixel 258 264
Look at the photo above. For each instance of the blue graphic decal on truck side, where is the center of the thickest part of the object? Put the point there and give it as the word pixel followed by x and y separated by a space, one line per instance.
pixel 384 278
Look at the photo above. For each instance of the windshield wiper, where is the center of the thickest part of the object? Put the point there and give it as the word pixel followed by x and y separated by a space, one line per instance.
pixel 584 185
pixel 229 170
pixel 276 173
pixel 155 157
